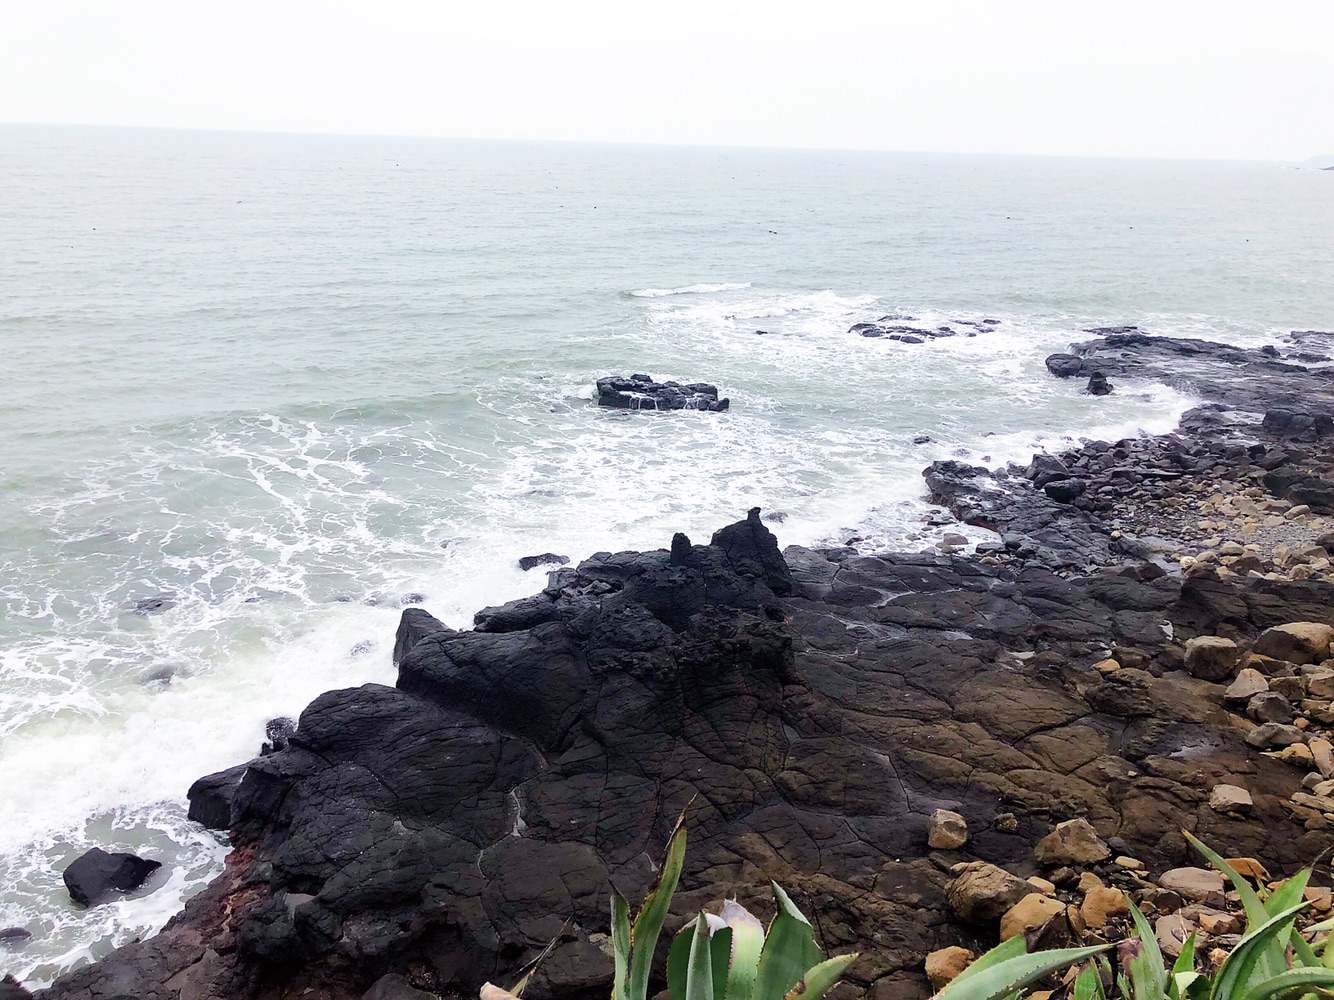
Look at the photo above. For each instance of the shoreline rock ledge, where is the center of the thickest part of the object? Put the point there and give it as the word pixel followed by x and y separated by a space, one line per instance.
pixel 817 706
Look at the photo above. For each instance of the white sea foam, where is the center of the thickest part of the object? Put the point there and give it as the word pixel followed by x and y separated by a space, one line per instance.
pixel 699 289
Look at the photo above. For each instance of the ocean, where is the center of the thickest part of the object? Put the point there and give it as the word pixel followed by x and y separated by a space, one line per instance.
pixel 277 386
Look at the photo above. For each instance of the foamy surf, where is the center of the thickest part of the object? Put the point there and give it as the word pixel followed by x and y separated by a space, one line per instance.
pixel 698 289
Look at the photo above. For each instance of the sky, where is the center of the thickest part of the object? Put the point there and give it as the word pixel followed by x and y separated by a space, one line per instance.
pixel 1174 78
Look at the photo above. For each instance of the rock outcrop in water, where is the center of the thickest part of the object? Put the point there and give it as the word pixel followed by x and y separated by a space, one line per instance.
pixel 640 392
pixel 95 876
pixel 894 328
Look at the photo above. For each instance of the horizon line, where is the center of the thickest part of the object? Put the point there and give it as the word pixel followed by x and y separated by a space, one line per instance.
pixel 315 133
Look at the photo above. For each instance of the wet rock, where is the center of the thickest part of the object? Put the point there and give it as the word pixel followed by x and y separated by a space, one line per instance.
pixel 278 735
pixel 12 989
pixel 95 875
pixel 946 831
pixel 1125 693
pixel 414 625
pixel 1098 385
pixel 1296 642
pixel 1211 657
pixel 1240 377
pixel 545 559
pixel 1044 469
pixel 1065 490
pixel 816 706
pixel 641 392
pixel 1032 524
pixel 15 934
pixel 212 798
pixel 1073 842
pixel 154 605
pixel 1302 488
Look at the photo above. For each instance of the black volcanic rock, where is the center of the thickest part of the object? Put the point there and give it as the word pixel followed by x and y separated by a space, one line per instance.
pixel 1098 385
pixel 1031 523
pixel 212 798
pixel 95 876
pixel 1241 377
pixel 545 559
pixel 641 392
pixel 815 706
pixel 415 625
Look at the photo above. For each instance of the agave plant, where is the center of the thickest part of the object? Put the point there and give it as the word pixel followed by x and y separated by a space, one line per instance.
pixel 1009 968
pixel 1258 968
pixel 727 957
pixel 731 957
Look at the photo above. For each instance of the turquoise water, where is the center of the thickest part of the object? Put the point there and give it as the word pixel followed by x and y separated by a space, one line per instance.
pixel 282 382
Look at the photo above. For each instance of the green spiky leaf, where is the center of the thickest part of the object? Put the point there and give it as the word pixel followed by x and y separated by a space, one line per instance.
pixel 1290 984
pixel 1014 974
pixel 678 962
pixel 1148 978
pixel 620 944
pixel 653 912
pixel 821 978
pixel 699 972
pixel 1250 900
pixel 1003 952
pixel 1248 957
pixel 1089 985
pixel 789 950
pixel 720 947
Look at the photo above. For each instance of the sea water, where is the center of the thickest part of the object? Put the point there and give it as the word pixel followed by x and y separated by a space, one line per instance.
pixel 278 386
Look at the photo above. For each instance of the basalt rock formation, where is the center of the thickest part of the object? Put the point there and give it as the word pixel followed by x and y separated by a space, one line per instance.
pixel 816 707
pixel 640 392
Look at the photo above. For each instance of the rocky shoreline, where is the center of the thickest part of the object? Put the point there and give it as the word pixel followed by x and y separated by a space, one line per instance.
pixel 820 707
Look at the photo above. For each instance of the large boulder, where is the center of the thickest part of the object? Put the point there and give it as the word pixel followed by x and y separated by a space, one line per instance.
pixel 1296 642
pixel 95 876
pixel 1211 657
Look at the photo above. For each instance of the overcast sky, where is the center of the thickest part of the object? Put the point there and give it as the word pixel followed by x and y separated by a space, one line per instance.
pixel 1228 79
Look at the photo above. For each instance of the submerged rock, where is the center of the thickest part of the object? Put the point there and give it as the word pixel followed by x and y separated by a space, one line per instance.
pixel 545 559
pixel 95 875
pixel 640 392
pixel 1098 385
pixel 277 735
